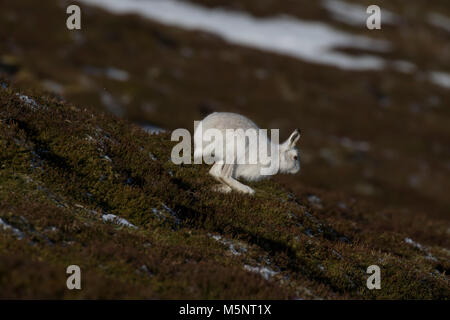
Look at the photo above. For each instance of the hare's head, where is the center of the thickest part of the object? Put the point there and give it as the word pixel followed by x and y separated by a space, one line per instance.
pixel 290 155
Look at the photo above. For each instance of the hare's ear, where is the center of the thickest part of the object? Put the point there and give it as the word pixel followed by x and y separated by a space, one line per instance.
pixel 293 138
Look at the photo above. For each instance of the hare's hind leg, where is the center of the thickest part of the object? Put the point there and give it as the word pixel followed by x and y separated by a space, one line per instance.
pixel 216 172
pixel 227 177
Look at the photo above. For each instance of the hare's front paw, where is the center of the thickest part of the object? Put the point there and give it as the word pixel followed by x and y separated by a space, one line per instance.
pixel 221 188
pixel 247 190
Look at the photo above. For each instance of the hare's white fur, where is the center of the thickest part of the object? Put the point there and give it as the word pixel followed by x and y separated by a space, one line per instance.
pixel 225 173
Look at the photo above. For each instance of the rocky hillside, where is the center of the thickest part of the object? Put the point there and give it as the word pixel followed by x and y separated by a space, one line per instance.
pixel 78 186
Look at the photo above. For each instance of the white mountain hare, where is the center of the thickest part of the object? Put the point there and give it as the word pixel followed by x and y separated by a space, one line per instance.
pixel 226 171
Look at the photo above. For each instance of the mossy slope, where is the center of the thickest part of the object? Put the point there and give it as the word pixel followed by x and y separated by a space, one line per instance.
pixel 65 170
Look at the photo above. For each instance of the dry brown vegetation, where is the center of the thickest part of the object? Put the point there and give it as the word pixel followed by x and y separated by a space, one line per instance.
pixel 63 166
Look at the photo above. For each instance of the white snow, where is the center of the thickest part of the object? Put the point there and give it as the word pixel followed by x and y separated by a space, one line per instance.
pixel 33 104
pixel 404 66
pixel 152 156
pixel 413 243
pixel 117 74
pixel 117 220
pixel 354 14
pixel 229 244
pixel 314 199
pixel 19 234
pixel 440 21
pixel 151 129
pixel 173 214
pixel 110 72
pixel 429 256
pixel 161 214
pixel 265 272
pixel 309 41
pixel 440 78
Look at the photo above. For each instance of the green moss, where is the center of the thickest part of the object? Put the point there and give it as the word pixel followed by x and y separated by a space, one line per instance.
pixel 62 168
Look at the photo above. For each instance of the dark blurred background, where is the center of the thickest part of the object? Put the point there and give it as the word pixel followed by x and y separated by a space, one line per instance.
pixel 373 105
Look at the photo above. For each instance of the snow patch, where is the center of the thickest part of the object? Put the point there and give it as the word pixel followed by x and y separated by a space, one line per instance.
pixel 110 72
pixel 404 66
pixel 310 41
pixel 413 243
pixel 229 244
pixel 151 129
pixel 440 78
pixel 354 14
pixel 33 104
pixel 440 21
pixel 117 74
pixel 117 220
pixel 429 256
pixel 19 234
pixel 265 272
pixel 161 214
pixel 173 214
pixel 313 199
